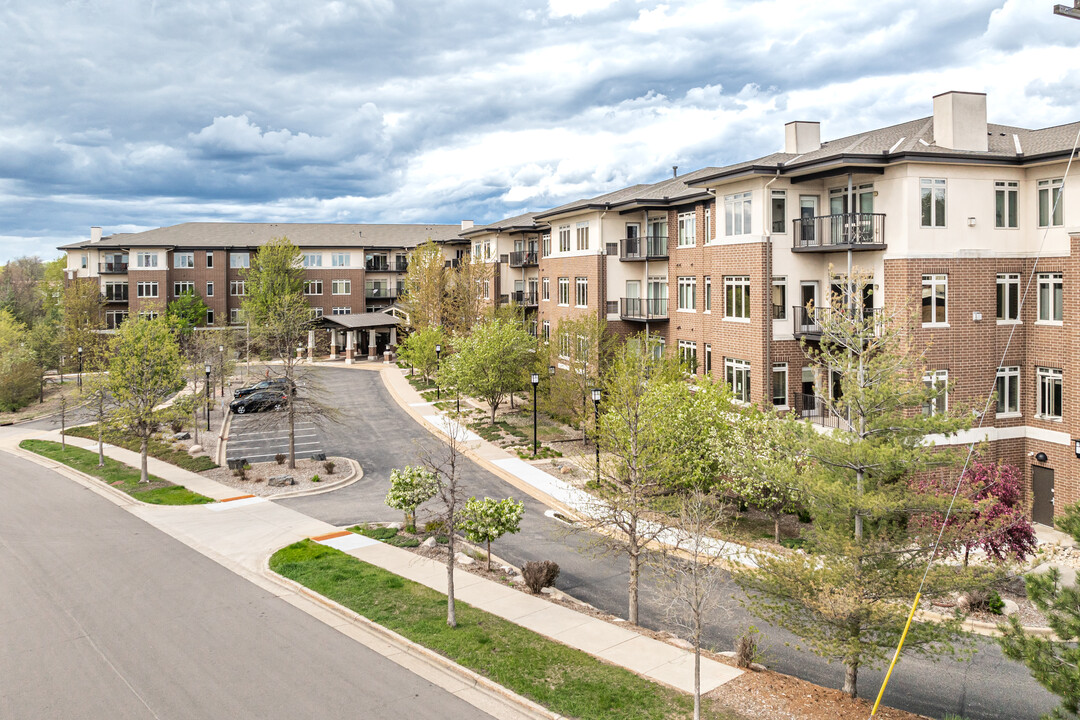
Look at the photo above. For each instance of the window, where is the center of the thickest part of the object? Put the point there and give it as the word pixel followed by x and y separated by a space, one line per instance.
pixel 779 385
pixel 184 286
pixel 709 236
pixel 237 288
pixel 687 229
pixel 737 375
pixel 1050 297
pixel 184 260
pixel 658 346
pixel 564 346
pixel 116 291
pixel 545 286
pixel 487 290
pixel 737 297
pixel 313 287
pixel 1008 297
pixel 148 315
pixel 239 260
pixel 935 291
pixel 146 260
pixel 146 290
pixel 564 291
pixel 341 287
pixel 779 211
pixel 209 316
pixel 209 259
pixel 341 259
pixel 84 261
pixel 737 214
pixel 234 315
pixel 932 194
pixel 1050 205
pixel 341 311
pixel 937 380
pixel 583 236
pixel 708 359
pixel 688 293
pixel 312 260
pixel 708 295
pixel 1008 391
pixel 779 298
pixel 547 330
pixel 547 244
pixel 1049 393
pixel 209 289
pixel 688 355
pixel 581 297
pixel 564 238
pixel 1005 203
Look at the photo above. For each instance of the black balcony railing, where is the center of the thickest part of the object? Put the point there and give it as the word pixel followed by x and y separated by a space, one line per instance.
pixel 523 258
pixel 401 265
pixel 452 263
pixel 818 411
pixel 378 292
pixel 380 265
pixel 808 324
pixel 116 293
pixel 643 309
pixel 112 267
pixel 643 248
pixel 855 231
pixel 528 299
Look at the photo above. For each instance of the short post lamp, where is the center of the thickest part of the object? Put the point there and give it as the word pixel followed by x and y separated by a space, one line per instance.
pixel 596 418
pixel 207 397
pixel 221 367
pixel 535 380
pixel 80 366
pixel 438 363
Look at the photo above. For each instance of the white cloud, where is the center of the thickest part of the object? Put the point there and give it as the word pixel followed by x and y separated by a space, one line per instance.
pixel 576 8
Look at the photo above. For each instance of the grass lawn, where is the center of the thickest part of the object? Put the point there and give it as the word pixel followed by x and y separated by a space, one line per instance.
pixel 565 680
pixel 121 476
pixel 156 449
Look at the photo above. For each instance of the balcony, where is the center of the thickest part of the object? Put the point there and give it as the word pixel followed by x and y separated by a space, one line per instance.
pixel 528 299
pixel 112 268
pixel 808 326
pixel 116 294
pixel 379 292
pixel 818 411
pixel 401 265
pixel 643 309
pixel 652 247
pixel 377 265
pixel 843 231
pixel 452 264
pixel 523 258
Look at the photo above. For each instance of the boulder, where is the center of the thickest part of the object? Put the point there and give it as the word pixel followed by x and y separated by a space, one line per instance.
pixel 463 559
pixel 195 449
pixel 1011 608
pixel 394 525
pixel 185 435
pixel 280 480
pixel 429 543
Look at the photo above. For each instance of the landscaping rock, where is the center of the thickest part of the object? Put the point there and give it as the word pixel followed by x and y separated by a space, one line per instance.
pixel 394 525
pixel 429 543
pixel 1011 608
pixel 463 559
pixel 564 471
pixel 182 436
pixel 280 480
pixel 195 449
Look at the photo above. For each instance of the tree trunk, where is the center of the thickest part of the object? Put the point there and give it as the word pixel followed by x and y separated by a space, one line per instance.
pixel 292 430
pixel 494 406
pixel 489 555
pixel 632 614
pixel 143 447
pixel 858 508
pixel 697 678
pixel 776 528
pixel 851 679
pixel 451 615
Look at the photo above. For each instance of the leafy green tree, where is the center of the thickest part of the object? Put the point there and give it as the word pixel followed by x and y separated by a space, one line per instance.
pixel 426 286
pixel 466 301
pixel 489 519
pixel 44 344
pixel 20 289
pixel 490 363
pixel 583 344
pixel 1069 522
pixel 83 318
pixel 410 488
pixel 186 312
pixel 276 272
pixel 418 349
pixel 19 382
pixel 145 369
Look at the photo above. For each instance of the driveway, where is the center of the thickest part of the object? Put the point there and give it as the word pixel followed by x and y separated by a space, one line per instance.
pixel 382 436
pixel 258 437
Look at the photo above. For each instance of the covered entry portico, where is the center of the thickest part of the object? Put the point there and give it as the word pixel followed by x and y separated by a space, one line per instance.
pixel 359 332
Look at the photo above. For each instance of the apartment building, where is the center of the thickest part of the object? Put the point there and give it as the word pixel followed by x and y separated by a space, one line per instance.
pixel 512 248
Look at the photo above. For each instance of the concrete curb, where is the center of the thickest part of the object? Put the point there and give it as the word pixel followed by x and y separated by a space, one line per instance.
pixel 356 474
pixel 984 628
pixel 433 660
pixel 88 481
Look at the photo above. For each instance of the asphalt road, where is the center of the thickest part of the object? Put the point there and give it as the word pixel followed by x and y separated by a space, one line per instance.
pixel 382 436
pixel 106 617
pixel 258 437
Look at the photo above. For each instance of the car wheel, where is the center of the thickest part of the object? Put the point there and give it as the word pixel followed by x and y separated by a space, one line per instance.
pixel 278 406
pixel 241 410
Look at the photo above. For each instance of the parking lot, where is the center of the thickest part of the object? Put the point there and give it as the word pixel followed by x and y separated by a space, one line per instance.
pixel 258 437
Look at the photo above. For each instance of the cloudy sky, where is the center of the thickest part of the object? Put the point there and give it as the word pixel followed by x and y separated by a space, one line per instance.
pixel 133 114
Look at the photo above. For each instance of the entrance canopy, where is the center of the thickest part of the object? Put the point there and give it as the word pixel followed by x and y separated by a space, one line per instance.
pixel 361 321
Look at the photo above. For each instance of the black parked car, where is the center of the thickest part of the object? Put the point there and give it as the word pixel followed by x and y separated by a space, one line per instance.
pixel 259 400
pixel 278 384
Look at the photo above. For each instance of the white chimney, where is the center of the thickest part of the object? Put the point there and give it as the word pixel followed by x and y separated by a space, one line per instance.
pixel 466 224
pixel 95 234
pixel 802 137
pixel 960 121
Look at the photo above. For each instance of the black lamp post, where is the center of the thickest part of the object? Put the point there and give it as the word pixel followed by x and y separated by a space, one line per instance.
pixel 535 380
pixel 221 367
pixel 207 397
pixel 596 416
pixel 438 363
pixel 80 366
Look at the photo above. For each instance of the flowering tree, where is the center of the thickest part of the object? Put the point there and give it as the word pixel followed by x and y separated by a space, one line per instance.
pixel 486 520
pixel 993 518
pixel 409 489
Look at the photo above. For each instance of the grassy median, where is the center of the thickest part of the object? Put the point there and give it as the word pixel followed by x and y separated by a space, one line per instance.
pixel 122 477
pixel 155 448
pixel 565 680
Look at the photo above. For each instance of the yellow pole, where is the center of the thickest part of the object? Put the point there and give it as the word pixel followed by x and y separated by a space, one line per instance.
pixel 896 656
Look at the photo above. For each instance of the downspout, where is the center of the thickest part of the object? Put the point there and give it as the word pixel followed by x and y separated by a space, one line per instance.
pixel 767 370
pixel 602 274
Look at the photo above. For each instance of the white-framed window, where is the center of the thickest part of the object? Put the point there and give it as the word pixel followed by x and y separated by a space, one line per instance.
pixel 1008 297
pixel 209 289
pixel 935 294
pixel 1051 298
pixel 312 260
pixel 583 236
pixel 487 250
pixel 581 293
pixel 658 346
pixel 932 202
pixel 341 311
pixel 341 259
pixel 148 315
pixel 779 384
pixel 84 261
pixel 1006 202
pixel 146 290
pixel 183 260
pixel 688 355
pixel 737 376
pixel 564 238
pixel 687 293
pixel 709 233
pixel 737 214
pixel 1051 210
pixel 313 287
pixel 545 242
pixel 1048 387
pixel 708 294
pixel 779 298
pixel 779 212
pixel 687 229
pixel 545 288
pixel 239 259
pixel 182 286
pixel 341 287
pixel 737 297
pixel 708 359
pixel 316 312
pixel 546 329
pixel 209 259
pixel 937 380
pixel 1008 391
pixel 209 316
pixel 564 291
pixel 565 345
pixel 234 315
pixel 487 289
pixel 146 260
pixel 237 288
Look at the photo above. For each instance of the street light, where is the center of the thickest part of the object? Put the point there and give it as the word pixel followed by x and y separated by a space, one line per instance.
pixel 438 362
pixel 596 411
pixel 535 380
pixel 221 367
pixel 80 366
pixel 207 397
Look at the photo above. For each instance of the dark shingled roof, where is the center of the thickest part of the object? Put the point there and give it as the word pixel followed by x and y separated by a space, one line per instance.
pixel 355 321
pixel 520 223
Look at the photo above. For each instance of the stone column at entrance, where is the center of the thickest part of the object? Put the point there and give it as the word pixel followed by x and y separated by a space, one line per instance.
pixel 310 345
pixel 333 344
pixel 371 348
pixel 393 337
pixel 350 336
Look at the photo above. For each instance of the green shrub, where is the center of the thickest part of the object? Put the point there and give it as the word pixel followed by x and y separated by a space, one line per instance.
pixel 375 533
pixel 314 478
pixel 403 542
pixel 995 604
pixel 328 466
